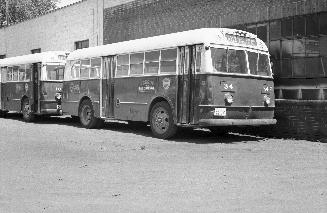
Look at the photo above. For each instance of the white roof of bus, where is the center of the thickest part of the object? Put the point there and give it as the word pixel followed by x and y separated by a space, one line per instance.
pixel 198 36
pixel 45 57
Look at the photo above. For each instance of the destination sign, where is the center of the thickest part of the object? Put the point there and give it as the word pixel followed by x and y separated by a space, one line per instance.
pixel 241 40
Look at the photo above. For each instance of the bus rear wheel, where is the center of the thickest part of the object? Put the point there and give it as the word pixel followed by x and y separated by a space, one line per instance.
pixel 28 115
pixel 3 114
pixel 86 115
pixel 161 121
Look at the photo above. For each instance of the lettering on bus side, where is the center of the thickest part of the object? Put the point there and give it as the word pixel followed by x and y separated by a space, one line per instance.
pixel 146 86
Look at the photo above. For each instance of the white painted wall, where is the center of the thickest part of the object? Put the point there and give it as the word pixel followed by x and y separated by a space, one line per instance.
pixel 57 30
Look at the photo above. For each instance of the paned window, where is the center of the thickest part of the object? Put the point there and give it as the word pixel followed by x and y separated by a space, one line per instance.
pixel 287 27
pixel 275 30
pixel 299 26
pixel 312 25
pixel 85 68
pixel 21 73
pixel 122 65
pixel 137 60
pixel 15 73
pixel 168 61
pixel 323 23
pixel 95 67
pixel 75 71
pixel 151 65
pixel 81 44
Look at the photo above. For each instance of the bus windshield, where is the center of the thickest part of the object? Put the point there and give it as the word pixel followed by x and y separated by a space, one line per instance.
pixel 55 72
pixel 235 61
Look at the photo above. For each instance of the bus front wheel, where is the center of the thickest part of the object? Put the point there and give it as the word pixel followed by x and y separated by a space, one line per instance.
pixel 161 121
pixel 86 115
pixel 28 115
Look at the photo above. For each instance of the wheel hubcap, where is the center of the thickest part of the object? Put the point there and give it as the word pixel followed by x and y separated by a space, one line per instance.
pixel 161 120
pixel 87 115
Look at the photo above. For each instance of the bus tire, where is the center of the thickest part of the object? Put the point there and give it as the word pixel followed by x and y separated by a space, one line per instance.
pixel 28 115
pixel 86 115
pixel 3 114
pixel 161 121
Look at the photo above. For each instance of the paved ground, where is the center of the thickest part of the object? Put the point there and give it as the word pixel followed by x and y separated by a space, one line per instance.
pixel 56 166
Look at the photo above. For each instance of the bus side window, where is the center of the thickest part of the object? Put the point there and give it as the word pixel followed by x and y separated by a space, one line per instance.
pixel 198 58
pixel 75 71
pixel 95 67
pixel 60 74
pixel 3 74
pixel 15 73
pixel 137 63
pixel 152 62
pixel 122 65
pixel 28 72
pixel 85 68
pixel 9 74
pixel 168 61
pixel 22 73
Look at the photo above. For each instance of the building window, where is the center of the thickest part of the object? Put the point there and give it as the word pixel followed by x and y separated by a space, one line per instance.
pixel 299 26
pixel 36 51
pixel 81 44
pixel 2 56
pixel 287 27
pixel 312 25
pixel 275 30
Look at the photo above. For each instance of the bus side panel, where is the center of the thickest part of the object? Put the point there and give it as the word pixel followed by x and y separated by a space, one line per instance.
pixel 132 97
pixel 47 97
pixel 167 88
pixel 13 94
pixel 75 91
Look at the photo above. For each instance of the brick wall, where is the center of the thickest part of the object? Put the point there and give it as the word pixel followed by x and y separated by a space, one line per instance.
pixel 296 119
pixel 144 18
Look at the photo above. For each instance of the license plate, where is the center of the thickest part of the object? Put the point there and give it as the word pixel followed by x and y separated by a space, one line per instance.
pixel 58 106
pixel 220 112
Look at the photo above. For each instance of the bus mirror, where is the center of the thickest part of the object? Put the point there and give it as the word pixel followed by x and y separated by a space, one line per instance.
pixel 207 48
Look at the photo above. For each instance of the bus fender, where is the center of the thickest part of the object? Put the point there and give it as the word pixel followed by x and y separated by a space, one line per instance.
pixel 94 105
pixel 157 99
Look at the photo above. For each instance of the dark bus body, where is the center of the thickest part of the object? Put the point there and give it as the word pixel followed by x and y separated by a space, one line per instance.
pixel 32 84
pixel 181 79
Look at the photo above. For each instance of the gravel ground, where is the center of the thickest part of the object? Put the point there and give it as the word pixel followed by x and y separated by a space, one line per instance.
pixel 56 166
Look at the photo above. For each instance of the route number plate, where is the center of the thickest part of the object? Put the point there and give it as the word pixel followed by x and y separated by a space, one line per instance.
pixel 220 112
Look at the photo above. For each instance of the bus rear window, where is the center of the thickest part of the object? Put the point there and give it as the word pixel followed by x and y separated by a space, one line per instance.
pixel 55 72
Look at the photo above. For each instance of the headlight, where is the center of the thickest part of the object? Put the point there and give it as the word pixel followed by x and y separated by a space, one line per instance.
pixel 229 98
pixel 266 99
pixel 58 96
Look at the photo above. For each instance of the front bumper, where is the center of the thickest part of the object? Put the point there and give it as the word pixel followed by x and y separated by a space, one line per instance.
pixel 236 122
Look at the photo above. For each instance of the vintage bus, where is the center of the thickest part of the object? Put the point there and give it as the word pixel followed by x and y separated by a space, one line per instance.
pixel 210 77
pixel 32 84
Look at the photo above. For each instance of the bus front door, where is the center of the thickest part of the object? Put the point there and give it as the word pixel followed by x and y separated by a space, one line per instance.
pixel 108 87
pixel 186 75
pixel 35 95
